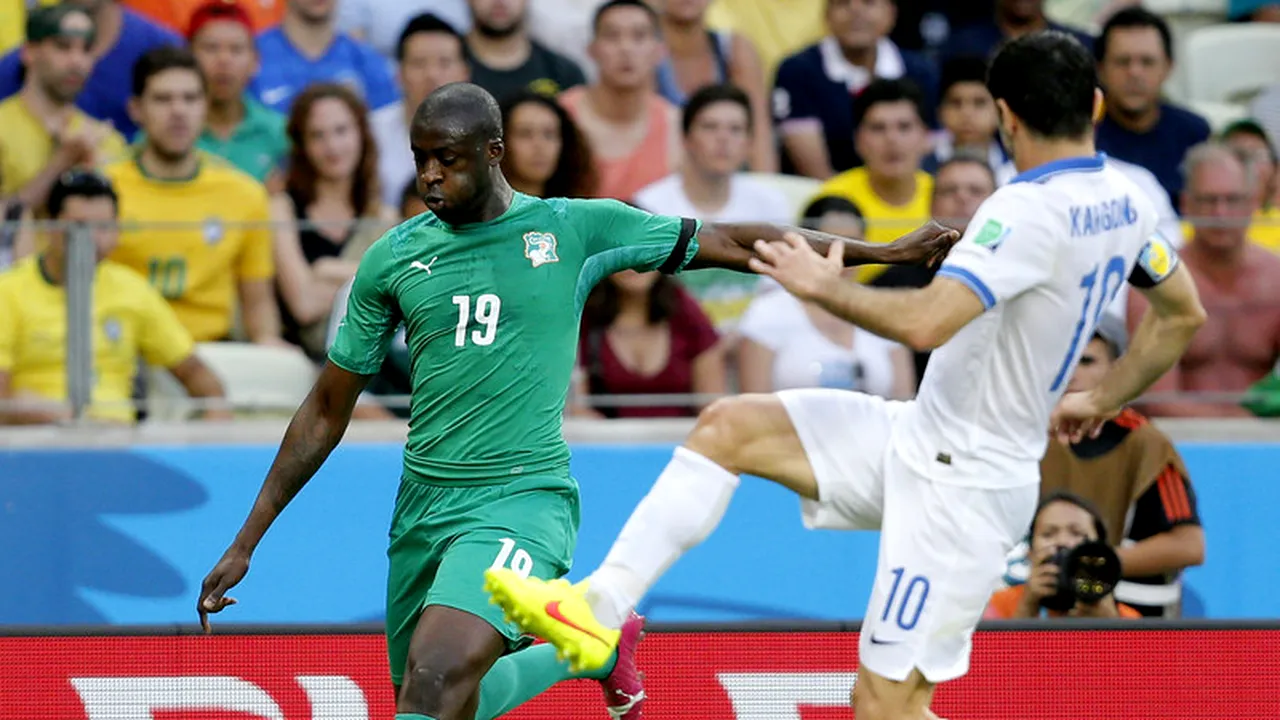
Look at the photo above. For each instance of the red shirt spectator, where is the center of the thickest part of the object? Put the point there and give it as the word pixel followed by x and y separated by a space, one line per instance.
pixel 643 335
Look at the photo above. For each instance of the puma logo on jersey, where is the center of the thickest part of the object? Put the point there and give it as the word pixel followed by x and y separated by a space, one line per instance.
pixel 540 248
pixel 418 264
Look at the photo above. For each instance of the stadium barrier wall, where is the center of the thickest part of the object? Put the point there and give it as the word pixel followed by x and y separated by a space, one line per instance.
pixel 1091 671
pixel 120 526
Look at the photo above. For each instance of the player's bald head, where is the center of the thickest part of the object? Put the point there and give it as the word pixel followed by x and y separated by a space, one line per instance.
pixel 461 110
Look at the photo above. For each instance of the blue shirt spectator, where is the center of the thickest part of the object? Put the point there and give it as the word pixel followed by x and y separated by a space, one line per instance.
pixel 1256 10
pixel 285 70
pixel 106 93
pixel 1135 57
pixel 1012 18
pixel 1159 149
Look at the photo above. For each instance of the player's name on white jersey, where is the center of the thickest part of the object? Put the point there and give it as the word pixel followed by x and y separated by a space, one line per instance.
pixel 1102 217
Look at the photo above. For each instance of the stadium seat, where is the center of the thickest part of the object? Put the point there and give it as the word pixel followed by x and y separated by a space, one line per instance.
pixel 1184 18
pixel 259 380
pixel 798 190
pixel 1213 8
pixel 1219 114
pixel 1230 63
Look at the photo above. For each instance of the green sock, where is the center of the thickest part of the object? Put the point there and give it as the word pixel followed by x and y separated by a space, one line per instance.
pixel 519 677
pixel 413 716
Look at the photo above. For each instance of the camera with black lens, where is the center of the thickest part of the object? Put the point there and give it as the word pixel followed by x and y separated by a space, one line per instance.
pixel 1087 573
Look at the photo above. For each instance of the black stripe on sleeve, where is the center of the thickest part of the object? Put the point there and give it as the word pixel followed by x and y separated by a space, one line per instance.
pixel 674 261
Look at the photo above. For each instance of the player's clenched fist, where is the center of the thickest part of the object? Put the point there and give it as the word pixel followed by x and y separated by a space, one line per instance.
pixel 229 571
pixel 926 245
pixel 1079 415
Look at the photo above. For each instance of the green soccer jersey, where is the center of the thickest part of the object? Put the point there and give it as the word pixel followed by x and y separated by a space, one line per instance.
pixel 491 313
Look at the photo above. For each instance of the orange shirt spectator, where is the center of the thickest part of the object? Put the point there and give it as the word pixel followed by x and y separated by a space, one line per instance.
pixel 176 14
pixel 633 132
pixel 1004 606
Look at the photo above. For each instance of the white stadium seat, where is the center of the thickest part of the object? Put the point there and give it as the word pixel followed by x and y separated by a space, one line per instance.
pixel 1230 63
pixel 1216 8
pixel 1219 115
pixel 798 190
pixel 258 380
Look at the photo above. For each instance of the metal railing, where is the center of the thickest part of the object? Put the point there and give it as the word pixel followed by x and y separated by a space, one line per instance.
pixel 81 262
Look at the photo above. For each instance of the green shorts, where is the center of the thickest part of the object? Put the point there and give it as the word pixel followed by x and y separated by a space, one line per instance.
pixel 443 538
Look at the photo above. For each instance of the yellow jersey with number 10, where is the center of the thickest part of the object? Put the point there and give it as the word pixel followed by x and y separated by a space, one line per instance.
pixel 130 321
pixel 202 252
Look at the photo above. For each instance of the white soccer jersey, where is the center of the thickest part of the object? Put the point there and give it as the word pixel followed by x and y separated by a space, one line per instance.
pixel 1045 254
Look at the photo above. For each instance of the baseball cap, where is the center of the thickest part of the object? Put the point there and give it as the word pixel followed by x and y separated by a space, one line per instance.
pixel 218 10
pixel 1111 329
pixel 63 20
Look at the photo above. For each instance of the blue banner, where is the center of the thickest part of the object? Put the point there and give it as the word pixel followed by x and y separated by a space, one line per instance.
pixel 125 536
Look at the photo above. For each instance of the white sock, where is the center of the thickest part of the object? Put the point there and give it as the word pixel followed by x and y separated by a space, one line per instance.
pixel 680 511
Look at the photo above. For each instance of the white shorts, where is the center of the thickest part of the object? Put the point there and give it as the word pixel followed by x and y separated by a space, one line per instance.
pixel 942 546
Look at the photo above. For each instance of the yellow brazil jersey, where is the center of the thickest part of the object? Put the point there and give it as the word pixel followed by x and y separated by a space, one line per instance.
pixel 1263 232
pixel 13 22
pixel 885 222
pixel 26 145
pixel 778 28
pixel 202 248
pixel 130 320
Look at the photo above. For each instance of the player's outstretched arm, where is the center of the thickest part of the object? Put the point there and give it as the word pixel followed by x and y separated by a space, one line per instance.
pixel 313 433
pixel 921 319
pixel 1162 336
pixel 731 245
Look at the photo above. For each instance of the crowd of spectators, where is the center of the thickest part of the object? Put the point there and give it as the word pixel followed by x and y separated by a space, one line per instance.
pixel 254 150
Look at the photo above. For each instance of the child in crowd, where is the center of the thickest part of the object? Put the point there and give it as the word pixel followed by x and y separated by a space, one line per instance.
pixel 969 119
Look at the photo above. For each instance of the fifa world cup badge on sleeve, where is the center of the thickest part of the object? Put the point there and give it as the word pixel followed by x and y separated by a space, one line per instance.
pixel 991 235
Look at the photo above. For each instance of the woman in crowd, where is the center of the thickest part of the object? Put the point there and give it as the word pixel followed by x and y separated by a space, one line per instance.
pixel 330 211
pixel 787 343
pixel 643 335
pixel 546 154
pixel 697 57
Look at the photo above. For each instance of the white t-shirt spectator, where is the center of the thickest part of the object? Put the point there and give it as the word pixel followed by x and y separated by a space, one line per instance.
pixel 395 160
pixel 722 294
pixel 805 358
pixel 565 26
pixel 749 201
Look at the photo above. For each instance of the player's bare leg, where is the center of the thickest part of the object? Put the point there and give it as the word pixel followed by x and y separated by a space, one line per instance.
pixel 449 654
pixel 879 698
pixel 456 670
